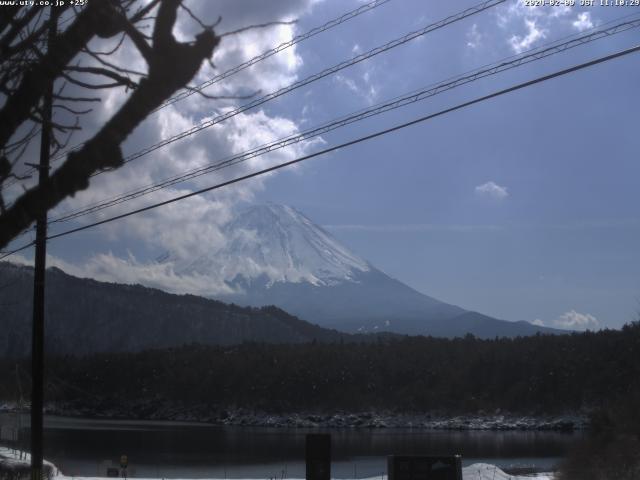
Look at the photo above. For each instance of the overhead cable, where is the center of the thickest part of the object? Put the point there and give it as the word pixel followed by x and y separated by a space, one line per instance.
pixel 269 53
pixel 356 141
pixel 389 105
pixel 311 78
pixel 238 68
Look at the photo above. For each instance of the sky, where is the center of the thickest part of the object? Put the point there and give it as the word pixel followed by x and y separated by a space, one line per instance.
pixel 523 207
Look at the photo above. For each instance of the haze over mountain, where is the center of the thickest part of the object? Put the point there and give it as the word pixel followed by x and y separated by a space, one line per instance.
pixel 274 255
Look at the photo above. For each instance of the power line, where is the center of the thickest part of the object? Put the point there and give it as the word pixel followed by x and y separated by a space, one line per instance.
pixel 343 145
pixel 243 66
pixel 317 76
pixel 312 78
pixel 269 53
pixel 502 65
pixel 380 133
pixel 19 249
pixel 389 105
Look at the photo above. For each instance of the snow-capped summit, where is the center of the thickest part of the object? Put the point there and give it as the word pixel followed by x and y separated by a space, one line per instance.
pixel 274 255
pixel 279 244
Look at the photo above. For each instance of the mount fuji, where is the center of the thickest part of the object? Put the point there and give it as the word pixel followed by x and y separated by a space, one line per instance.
pixel 274 255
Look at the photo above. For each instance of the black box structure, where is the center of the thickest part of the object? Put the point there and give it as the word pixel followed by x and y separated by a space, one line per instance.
pixel 318 456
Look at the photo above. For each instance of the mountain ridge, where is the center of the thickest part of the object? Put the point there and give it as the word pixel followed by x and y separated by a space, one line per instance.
pixel 274 256
pixel 85 316
pixel 281 257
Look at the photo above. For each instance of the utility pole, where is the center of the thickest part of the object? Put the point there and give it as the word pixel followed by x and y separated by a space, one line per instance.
pixel 37 336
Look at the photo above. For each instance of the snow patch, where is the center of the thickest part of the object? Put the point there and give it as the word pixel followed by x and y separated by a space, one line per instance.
pixel 486 471
pixel 477 471
pixel 18 463
pixel 281 244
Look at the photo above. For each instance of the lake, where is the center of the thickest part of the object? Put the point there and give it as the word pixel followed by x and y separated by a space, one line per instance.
pixel 83 447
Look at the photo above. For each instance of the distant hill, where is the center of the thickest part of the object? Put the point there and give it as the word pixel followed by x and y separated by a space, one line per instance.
pixel 483 326
pixel 86 316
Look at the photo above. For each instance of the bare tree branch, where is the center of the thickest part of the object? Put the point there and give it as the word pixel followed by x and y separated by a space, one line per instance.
pixel 195 18
pixel 16 27
pixel 140 14
pixel 113 50
pixel 112 65
pixel 76 99
pixel 68 44
pixel 172 65
pixel 138 40
pixel 55 125
pixel 72 111
pixel 127 82
pixel 7 15
pixel 92 86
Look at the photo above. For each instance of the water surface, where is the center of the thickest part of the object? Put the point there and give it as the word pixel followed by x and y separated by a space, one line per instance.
pixel 83 447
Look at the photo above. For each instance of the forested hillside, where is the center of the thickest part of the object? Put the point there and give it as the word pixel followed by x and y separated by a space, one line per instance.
pixel 86 316
pixel 540 374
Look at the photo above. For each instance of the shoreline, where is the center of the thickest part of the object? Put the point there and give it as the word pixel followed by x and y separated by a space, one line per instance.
pixel 15 464
pixel 568 422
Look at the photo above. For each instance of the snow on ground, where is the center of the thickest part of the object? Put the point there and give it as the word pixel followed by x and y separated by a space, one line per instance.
pixel 11 459
pixel 486 471
pixel 477 471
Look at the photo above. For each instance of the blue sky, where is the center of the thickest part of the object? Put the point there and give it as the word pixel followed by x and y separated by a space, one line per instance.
pixel 556 228
pixel 524 207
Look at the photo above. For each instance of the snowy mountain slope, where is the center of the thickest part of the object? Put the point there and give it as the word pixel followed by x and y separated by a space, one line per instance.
pixel 282 245
pixel 277 256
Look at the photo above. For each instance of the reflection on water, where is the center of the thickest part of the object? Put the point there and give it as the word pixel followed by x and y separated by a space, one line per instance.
pixel 182 450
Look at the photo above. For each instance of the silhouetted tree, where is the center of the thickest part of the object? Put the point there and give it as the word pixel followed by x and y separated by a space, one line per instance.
pixel 29 63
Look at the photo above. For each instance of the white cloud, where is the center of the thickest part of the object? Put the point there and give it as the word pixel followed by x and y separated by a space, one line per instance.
pixel 577 321
pixel 525 25
pixel 583 22
pixel 107 267
pixel 190 227
pixel 517 9
pixel 538 322
pixel 492 190
pixel 362 86
pixel 520 43
pixel 560 11
pixel 347 82
pixel 474 37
